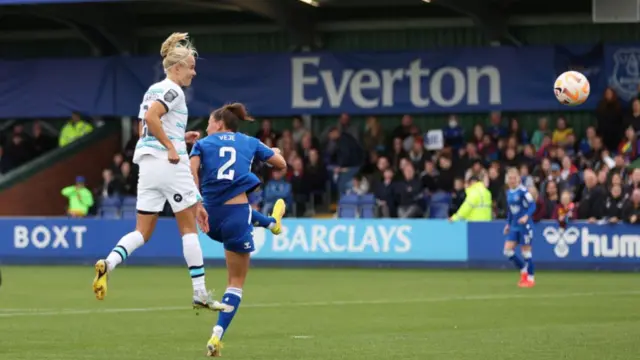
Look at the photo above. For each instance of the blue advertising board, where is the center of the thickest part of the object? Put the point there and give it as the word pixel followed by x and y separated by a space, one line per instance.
pixel 457 80
pixel 580 245
pixel 319 242
pixel 35 240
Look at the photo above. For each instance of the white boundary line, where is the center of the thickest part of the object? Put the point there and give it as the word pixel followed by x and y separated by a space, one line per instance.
pixel 6 313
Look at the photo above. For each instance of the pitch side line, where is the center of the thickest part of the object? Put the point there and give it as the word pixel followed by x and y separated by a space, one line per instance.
pixel 6 313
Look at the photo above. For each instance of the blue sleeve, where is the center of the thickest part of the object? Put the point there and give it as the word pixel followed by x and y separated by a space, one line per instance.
pixel 196 150
pixel 263 152
pixel 529 203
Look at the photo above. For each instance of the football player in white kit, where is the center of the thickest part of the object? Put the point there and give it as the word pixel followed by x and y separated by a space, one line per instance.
pixel 165 175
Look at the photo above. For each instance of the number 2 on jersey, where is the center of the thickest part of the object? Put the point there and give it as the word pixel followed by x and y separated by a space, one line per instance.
pixel 222 172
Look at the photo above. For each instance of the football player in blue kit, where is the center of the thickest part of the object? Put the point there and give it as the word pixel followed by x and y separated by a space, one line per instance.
pixel 519 228
pixel 221 164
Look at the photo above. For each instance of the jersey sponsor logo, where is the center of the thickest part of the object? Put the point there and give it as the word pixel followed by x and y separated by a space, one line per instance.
pixel 170 95
pixel 562 239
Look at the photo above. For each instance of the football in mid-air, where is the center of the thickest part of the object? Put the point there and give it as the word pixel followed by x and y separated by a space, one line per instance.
pixel 571 88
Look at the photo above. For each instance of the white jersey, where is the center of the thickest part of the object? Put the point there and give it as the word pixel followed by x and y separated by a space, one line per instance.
pixel 174 121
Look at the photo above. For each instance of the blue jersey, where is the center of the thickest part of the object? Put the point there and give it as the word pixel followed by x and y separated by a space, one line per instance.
pixel 225 165
pixel 520 203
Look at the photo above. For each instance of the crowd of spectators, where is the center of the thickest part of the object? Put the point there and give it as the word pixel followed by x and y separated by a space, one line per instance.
pixel 20 145
pixel 557 164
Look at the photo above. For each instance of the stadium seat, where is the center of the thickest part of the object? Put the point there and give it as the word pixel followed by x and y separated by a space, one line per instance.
pixel 129 201
pixel 129 212
pixel 109 208
pixel 348 206
pixel 439 205
pixel 367 199
pixel 367 204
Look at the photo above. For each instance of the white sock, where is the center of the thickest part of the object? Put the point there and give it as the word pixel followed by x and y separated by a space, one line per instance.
pixel 195 261
pixel 218 331
pixel 125 247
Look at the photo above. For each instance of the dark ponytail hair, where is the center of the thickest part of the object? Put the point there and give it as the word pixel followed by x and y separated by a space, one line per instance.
pixel 231 115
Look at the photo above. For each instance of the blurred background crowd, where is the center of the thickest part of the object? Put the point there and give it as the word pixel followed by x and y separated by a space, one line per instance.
pixel 406 165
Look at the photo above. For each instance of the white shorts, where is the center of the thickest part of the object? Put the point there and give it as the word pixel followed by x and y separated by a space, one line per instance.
pixel 161 181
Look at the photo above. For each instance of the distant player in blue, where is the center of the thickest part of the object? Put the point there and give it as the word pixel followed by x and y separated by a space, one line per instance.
pixel 221 164
pixel 519 228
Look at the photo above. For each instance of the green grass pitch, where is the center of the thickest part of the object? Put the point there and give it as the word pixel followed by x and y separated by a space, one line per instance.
pixel 294 314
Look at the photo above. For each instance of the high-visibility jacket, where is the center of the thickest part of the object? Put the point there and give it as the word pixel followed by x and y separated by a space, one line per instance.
pixel 477 204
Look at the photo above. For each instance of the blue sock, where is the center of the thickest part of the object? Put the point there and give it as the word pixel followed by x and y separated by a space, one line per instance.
pixel 528 258
pixel 231 297
pixel 515 259
pixel 261 220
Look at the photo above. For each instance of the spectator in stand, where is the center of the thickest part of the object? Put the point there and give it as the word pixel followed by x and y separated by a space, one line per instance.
pixel 80 198
pixel 478 171
pixel 74 129
pixel 614 205
pixel 634 181
pixel 116 164
pixel 373 135
pixel 306 145
pixel 609 116
pixel 540 212
pixel 403 130
pixel 628 147
pixel 551 198
pixel 495 129
pixel 276 188
pixel 348 157
pixel 586 144
pixel 41 142
pixel 128 180
pixel 110 185
pixel 478 137
pixel 489 149
pixel 384 193
pixel 565 211
pixel 316 175
pixel 563 134
pixel 429 176
pixel 396 153
pixel 529 156
pixel 298 130
pixel 417 155
pixel 457 195
pixel 540 133
pixel 446 174
pixel 519 134
pixel 18 150
pixel 569 174
pixel 453 133
pixel 469 157
pixel 3 167
pixel 527 179
pixel 359 185
pixel 633 118
pixel 592 198
pixel 267 132
pixel 409 194
pixel 631 212
pixel 299 186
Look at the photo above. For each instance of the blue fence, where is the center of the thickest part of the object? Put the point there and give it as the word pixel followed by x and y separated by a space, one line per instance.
pixel 442 81
pixel 311 242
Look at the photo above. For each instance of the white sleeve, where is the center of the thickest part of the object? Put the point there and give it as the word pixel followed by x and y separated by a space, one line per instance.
pixel 170 97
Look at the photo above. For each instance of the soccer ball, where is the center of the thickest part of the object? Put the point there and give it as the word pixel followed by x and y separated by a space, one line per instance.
pixel 572 88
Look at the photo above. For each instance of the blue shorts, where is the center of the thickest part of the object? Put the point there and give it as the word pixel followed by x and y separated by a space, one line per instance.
pixel 522 234
pixel 231 225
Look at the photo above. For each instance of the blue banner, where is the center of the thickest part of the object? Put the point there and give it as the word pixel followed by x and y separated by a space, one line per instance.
pixel 329 242
pixel 50 240
pixel 442 81
pixel 615 245
pixel 622 65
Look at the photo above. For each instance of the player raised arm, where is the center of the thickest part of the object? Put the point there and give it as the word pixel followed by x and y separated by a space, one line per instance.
pixel 152 119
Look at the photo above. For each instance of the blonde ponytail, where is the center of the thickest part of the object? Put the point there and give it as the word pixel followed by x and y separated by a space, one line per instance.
pixel 176 49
